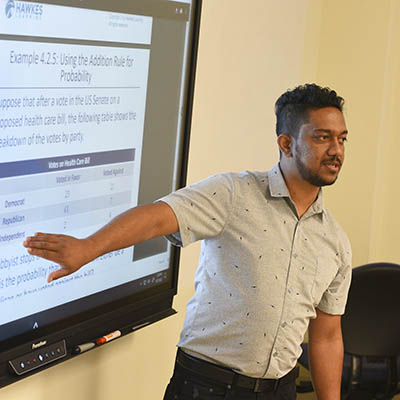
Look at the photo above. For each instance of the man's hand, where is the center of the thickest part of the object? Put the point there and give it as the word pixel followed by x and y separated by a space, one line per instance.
pixel 70 253
pixel 131 227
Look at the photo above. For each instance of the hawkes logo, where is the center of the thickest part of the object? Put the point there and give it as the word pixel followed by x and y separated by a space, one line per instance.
pixel 10 7
pixel 22 9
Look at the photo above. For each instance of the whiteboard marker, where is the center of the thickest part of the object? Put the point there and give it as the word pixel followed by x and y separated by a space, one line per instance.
pixel 107 338
pixel 83 347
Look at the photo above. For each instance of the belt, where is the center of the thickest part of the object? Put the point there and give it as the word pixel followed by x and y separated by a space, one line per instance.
pixel 228 377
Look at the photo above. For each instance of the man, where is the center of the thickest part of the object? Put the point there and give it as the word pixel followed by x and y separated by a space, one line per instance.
pixel 274 262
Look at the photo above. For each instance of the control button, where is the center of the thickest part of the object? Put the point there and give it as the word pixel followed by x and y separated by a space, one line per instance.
pixel 26 363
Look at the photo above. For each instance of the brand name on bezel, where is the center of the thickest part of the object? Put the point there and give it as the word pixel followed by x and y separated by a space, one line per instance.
pixel 37 345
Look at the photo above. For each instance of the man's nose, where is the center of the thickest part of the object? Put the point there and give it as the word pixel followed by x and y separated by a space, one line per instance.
pixel 336 148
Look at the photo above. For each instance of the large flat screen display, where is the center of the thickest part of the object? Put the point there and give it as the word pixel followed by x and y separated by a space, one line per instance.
pixel 95 104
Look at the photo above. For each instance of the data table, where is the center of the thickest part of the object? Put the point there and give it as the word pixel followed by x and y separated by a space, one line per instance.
pixel 66 193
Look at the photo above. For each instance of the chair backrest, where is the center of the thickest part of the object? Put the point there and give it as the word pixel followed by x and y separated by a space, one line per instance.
pixel 371 323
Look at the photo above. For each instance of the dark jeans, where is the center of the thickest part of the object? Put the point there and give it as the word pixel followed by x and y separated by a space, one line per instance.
pixel 185 385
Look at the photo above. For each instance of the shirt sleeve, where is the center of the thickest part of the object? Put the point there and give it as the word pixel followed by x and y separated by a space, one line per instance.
pixel 335 297
pixel 202 209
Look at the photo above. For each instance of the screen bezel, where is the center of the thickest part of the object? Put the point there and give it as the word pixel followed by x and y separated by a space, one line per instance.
pixel 137 309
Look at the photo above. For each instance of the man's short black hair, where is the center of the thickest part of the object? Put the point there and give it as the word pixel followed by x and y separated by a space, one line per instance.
pixel 293 106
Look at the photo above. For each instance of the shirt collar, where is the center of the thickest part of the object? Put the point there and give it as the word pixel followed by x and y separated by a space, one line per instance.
pixel 277 184
pixel 278 188
pixel 318 205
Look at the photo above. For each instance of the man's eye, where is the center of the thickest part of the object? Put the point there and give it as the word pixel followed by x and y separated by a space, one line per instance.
pixel 322 138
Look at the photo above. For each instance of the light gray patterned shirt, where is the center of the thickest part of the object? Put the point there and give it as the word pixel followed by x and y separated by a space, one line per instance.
pixel 262 271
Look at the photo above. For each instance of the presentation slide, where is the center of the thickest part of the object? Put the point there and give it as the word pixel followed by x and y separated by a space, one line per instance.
pixel 71 134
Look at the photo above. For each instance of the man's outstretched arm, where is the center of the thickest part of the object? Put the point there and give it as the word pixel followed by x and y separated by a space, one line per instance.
pixel 133 226
pixel 326 355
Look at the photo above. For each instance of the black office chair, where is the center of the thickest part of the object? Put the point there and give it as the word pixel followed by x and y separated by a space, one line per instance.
pixel 371 335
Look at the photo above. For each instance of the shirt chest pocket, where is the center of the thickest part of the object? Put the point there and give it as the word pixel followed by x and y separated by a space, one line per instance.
pixel 313 277
pixel 326 270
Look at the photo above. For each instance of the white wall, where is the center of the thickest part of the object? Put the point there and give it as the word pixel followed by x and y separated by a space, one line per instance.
pixel 359 55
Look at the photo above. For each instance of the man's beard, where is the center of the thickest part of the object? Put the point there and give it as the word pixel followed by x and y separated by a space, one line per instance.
pixel 314 178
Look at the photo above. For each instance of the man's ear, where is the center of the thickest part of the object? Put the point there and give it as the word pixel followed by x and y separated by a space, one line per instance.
pixel 285 144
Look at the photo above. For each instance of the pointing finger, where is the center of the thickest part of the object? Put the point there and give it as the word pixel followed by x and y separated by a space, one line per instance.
pixel 44 237
pixel 46 254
